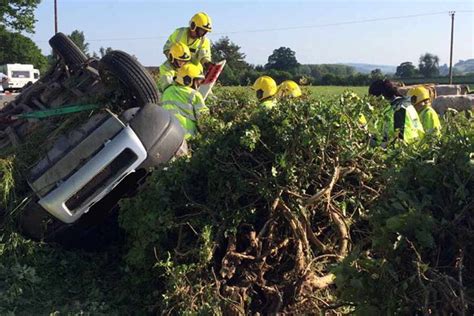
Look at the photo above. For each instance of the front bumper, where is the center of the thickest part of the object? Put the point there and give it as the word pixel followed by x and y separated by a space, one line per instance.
pixel 119 157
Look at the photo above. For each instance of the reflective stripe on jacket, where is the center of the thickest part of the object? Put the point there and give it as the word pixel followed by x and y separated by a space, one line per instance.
pixel 401 120
pixel 167 74
pixel 186 104
pixel 430 120
pixel 268 104
pixel 200 47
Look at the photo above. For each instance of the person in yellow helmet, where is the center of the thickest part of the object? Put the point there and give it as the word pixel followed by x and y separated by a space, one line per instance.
pixel 265 89
pixel 184 100
pixel 178 55
pixel 194 37
pixel 420 98
pixel 289 89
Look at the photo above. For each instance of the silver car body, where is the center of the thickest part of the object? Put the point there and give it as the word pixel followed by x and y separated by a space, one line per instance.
pixel 74 176
pixel 55 201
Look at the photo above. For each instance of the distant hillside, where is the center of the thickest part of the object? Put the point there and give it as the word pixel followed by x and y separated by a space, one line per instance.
pixel 462 67
pixel 367 68
pixel 465 66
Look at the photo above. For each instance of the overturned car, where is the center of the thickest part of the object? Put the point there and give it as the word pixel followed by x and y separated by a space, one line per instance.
pixel 86 171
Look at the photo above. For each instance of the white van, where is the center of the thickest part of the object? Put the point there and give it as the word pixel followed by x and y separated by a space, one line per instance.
pixel 19 75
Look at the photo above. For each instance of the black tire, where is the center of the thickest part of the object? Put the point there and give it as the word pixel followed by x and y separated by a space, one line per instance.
pixel 135 80
pixel 72 56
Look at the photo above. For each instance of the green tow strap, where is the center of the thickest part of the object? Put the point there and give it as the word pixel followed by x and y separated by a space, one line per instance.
pixel 55 112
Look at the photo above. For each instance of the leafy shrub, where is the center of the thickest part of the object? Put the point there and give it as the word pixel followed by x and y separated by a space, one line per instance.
pixel 260 213
pixel 419 253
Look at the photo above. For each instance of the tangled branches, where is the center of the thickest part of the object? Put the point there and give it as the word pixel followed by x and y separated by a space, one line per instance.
pixel 278 195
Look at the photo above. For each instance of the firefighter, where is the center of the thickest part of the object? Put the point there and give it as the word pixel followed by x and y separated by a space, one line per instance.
pixel 289 89
pixel 420 98
pixel 194 37
pixel 184 100
pixel 178 55
pixel 400 117
pixel 266 89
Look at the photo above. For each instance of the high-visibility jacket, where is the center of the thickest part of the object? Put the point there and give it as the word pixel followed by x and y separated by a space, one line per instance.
pixel 187 104
pixel 167 74
pixel 401 119
pixel 200 47
pixel 430 120
pixel 268 104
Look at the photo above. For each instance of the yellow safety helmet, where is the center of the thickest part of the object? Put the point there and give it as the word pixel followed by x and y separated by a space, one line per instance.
pixel 418 94
pixel 186 74
pixel 289 88
pixel 265 87
pixel 179 51
pixel 201 20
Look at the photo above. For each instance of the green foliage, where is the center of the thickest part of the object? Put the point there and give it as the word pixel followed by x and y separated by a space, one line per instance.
pixel 282 58
pixel 18 14
pixel 409 212
pixel 429 65
pixel 37 278
pixel 104 51
pixel 79 39
pixel 406 70
pixel 376 74
pixel 181 222
pixel 420 234
pixel 17 48
pixel 8 183
pixel 235 60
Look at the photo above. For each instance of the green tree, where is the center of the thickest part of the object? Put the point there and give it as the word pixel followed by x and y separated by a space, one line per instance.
pixel 17 48
pixel 282 58
pixel 79 39
pixel 376 74
pixel 429 65
pixel 236 65
pixel 104 51
pixel 406 70
pixel 224 48
pixel 18 15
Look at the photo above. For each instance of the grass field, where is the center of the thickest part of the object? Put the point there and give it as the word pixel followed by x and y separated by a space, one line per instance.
pixel 336 90
pixel 325 91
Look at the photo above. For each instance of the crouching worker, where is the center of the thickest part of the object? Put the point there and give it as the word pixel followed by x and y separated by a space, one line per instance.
pixel 266 89
pixel 184 100
pixel 420 98
pixel 178 55
pixel 400 119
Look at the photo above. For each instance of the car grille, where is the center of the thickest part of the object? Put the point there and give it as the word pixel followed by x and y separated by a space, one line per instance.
pixel 105 176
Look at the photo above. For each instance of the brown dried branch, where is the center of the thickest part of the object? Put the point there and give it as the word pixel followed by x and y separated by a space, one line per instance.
pixel 312 237
pixel 342 228
pixel 295 224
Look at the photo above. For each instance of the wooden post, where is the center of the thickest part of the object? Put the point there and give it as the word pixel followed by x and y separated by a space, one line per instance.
pixel 451 52
pixel 55 16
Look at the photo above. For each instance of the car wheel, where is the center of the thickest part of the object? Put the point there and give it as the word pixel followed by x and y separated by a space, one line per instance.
pixel 135 80
pixel 72 56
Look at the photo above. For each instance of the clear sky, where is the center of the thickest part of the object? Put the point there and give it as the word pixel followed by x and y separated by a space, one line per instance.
pixel 310 28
